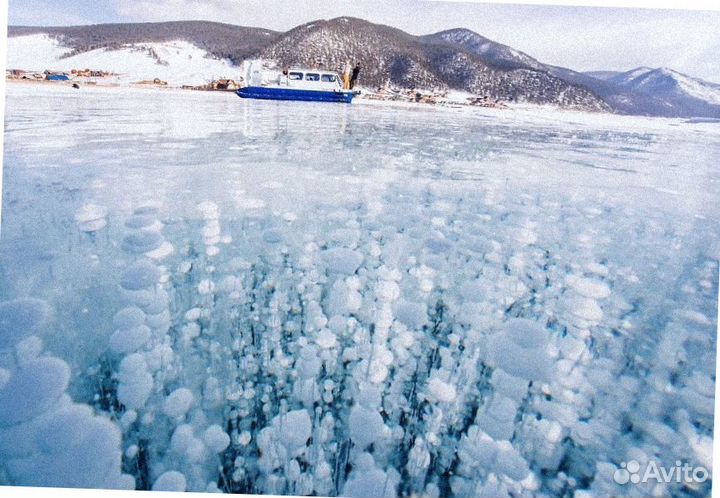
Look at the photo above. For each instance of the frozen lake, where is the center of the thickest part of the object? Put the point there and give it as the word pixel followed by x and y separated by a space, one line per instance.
pixel 361 300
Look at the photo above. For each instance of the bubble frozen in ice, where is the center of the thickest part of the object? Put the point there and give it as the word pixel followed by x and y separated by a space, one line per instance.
pixel 441 390
pixel 128 317
pixel 142 242
pixel 178 402
pixel 33 389
pixel 170 481
pixel 20 318
pixel 91 217
pixel 140 275
pixel 129 340
pixel 520 350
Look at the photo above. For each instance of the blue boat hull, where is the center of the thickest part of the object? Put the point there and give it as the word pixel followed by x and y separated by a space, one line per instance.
pixel 261 92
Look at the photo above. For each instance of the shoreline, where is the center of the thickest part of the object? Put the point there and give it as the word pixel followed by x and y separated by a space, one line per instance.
pixel 509 111
pixel 369 98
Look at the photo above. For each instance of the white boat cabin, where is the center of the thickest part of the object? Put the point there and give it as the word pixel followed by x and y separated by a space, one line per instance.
pixel 309 79
pixel 300 79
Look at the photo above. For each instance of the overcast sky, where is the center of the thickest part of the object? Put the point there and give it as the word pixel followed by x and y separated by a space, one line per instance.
pixel 582 38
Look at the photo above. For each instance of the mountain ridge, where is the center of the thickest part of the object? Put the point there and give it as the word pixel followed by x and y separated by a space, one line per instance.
pixel 228 41
pixel 682 94
pixel 624 99
pixel 391 56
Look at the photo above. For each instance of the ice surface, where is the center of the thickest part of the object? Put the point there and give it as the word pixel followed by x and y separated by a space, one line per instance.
pixel 361 300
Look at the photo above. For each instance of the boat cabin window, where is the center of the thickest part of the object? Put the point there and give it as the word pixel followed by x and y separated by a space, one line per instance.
pixel 295 76
pixel 328 78
pixel 312 77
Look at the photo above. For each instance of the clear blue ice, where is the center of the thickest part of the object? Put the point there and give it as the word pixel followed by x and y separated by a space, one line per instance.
pixel 201 292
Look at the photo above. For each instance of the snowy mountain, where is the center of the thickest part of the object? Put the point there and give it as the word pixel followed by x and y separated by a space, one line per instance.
pixel 658 92
pixel 391 56
pixel 643 90
pixel 502 56
pixel 386 54
pixel 622 77
pixel 223 41
pixel 669 85
pixel 622 100
pixel 492 53
pixel 602 75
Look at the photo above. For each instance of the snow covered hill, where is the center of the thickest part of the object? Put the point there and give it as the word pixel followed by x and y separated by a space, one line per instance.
pixel 602 75
pixel 664 82
pixel 643 90
pixel 176 62
pixel 623 77
pixel 670 93
pixel 224 41
pixel 392 57
pixel 492 52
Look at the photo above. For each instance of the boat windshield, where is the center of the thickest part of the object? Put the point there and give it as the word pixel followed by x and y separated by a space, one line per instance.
pixel 312 77
pixel 328 78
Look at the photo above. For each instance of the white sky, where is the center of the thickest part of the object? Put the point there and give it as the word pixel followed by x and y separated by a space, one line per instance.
pixel 582 38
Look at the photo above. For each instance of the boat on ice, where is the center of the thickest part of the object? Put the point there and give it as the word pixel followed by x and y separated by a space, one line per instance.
pixel 309 85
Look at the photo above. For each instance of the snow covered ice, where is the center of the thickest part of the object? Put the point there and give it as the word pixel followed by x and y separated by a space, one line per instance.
pixel 203 293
